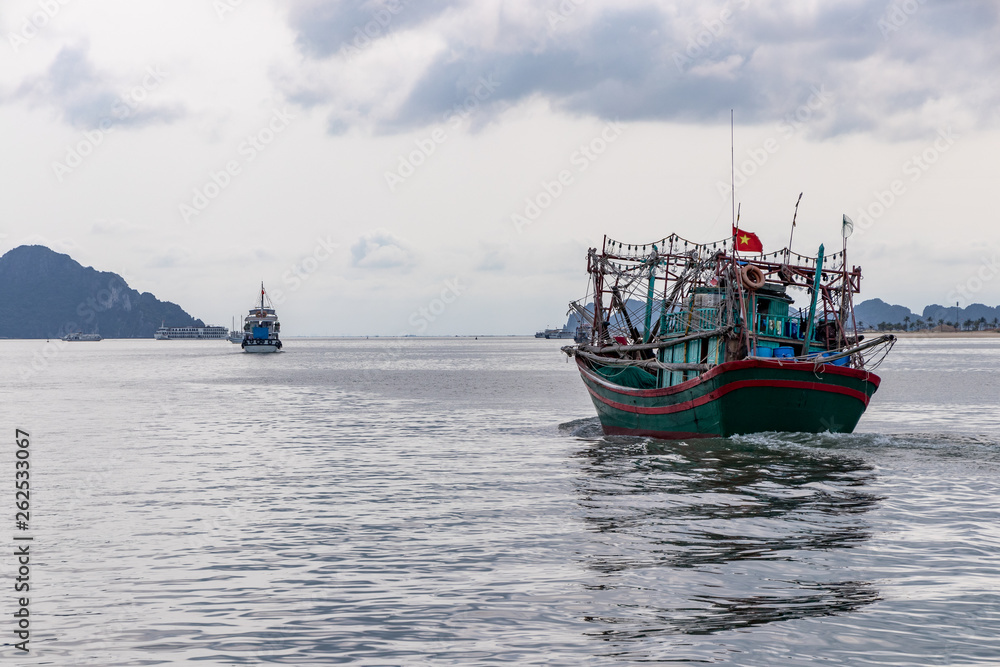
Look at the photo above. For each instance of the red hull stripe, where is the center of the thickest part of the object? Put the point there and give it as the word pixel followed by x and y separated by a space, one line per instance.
pixel 731 366
pixel 725 389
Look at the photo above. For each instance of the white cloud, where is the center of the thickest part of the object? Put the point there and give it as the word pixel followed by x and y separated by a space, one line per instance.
pixel 381 249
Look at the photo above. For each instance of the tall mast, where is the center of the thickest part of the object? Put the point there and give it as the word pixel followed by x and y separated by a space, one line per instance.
pixel 732 166
pixel 744 309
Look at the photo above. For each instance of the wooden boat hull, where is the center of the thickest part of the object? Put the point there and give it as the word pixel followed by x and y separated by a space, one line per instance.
pixel 737 397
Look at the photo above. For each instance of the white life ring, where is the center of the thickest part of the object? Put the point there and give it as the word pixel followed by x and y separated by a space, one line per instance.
pixel 752 276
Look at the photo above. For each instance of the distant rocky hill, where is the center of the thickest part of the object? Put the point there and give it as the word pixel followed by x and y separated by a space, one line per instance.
pixel 636 309
pixel 46 294
pixel 874 312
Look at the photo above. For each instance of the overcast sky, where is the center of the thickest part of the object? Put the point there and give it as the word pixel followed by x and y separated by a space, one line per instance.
pixel 392 167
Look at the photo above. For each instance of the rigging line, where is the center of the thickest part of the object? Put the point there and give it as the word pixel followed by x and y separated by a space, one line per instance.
pixel 722 209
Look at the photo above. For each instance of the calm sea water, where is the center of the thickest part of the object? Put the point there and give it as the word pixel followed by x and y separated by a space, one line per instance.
pixel 453 501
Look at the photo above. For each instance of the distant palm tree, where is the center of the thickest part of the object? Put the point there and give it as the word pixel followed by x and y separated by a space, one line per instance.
pixel 906 323
pixel 941 324
pixel 920 323
pixel 996 322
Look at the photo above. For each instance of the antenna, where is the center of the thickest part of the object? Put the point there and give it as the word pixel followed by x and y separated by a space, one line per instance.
pixel 788 250
pixel 732 163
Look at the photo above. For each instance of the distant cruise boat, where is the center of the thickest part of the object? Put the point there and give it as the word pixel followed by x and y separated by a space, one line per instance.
pixel 261 327
pixel 191 333
pixel 78 336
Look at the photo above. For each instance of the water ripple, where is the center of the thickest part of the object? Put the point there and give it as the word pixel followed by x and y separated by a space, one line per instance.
pixel 454 502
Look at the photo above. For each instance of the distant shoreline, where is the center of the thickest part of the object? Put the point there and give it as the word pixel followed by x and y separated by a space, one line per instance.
pixel 938 334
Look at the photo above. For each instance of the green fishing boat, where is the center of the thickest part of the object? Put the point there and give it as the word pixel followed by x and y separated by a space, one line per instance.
pixel 702 340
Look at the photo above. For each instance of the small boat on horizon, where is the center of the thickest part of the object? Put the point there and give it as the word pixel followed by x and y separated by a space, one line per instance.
pixel 691 340
pixel 261 327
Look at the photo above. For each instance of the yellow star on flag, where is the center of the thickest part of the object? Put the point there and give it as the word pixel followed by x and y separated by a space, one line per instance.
pixel 744 239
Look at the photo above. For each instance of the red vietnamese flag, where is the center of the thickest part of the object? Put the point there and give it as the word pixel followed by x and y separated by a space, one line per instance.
pixel 747 241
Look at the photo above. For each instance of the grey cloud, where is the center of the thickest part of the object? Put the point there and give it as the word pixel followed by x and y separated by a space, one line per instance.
pixel 325 27
pixel 621 66
pixel 86 99
pixel 877 61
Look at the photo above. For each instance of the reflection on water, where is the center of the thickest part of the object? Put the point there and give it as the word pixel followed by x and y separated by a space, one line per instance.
pixel 716 535
pixel 408 502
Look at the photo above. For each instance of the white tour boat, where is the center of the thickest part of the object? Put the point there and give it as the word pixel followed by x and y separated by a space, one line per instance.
pixel 209 332
pixel 79 336
pixel 261 327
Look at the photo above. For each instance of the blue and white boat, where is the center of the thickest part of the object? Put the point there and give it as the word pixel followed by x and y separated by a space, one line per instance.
pixel 261 327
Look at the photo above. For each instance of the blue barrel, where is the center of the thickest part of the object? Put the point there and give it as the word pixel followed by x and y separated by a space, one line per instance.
pixel 784 352
pixel 837 362
pixel 763 352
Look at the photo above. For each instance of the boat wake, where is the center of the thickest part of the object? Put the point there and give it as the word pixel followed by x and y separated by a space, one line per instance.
pixel 971 445
pixel 588 428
